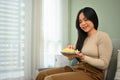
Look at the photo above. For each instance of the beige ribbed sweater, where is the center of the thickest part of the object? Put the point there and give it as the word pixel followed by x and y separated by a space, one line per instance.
pixel 98 50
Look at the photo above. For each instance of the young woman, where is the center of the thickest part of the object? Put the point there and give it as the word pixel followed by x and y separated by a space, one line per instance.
pixel 94 53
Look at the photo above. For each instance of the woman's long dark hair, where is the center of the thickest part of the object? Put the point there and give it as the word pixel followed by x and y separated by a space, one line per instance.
pixel 91 15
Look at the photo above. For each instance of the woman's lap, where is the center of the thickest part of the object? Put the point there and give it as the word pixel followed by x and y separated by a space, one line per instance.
pixel 47 72
pixel 79 72
pixel 80 75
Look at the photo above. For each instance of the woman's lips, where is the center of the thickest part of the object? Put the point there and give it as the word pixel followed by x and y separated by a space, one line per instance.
pixel 85 27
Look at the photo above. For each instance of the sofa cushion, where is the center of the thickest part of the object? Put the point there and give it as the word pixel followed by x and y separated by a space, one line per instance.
pixel 113 62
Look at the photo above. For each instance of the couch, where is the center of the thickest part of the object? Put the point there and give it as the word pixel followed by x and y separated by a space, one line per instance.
pixel 111 71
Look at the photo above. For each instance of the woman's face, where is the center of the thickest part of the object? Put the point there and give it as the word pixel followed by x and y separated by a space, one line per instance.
pixel 85 24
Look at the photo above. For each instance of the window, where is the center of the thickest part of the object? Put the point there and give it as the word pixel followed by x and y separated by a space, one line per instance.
pixel 12 48
pixel 55 29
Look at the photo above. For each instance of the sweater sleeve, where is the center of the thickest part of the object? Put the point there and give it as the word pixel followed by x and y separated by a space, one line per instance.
pixel 104 50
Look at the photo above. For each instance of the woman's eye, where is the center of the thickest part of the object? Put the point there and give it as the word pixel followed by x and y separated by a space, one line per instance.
pixel 80 21
pixel 85 19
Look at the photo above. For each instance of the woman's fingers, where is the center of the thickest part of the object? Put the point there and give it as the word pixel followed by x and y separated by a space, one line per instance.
pixel 70 55
pixel 80 55
pixel 70 47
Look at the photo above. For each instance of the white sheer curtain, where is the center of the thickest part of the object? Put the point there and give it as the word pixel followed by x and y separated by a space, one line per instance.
pixel 15 41
pixel 55 28
pixel 28 39
pixel 49 32
pixel 37 37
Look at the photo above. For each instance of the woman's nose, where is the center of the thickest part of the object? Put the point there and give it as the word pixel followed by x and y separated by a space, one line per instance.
pixel 83 23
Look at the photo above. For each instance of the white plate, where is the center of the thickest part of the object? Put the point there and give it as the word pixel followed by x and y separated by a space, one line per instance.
pixel 67 53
